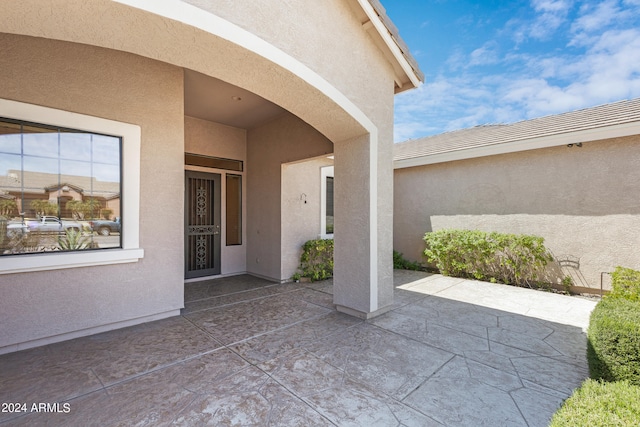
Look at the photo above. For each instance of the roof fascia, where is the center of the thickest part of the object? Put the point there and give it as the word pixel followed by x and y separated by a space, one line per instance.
pixel 587 135
pixel 384 33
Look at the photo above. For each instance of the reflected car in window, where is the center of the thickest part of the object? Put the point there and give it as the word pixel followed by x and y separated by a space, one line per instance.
pixel 16 227
pixel 53 224
pixel 104 227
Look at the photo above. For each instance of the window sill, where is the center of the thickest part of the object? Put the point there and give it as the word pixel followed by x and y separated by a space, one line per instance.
pixel 56 261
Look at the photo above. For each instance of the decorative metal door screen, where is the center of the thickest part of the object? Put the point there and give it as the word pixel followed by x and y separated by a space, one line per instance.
pixel 202 224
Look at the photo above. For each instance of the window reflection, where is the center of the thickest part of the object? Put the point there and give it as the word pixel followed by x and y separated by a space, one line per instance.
pixel 9 138
pixel 41 144
pixel 59 189
pixel 329 204
pixel 76 146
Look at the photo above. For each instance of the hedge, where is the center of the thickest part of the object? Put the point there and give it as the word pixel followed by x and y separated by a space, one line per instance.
pixel 613 352
pixel 625 283
pixel 600 404
pixel 613 349
pixel 497 257
pixel 401 263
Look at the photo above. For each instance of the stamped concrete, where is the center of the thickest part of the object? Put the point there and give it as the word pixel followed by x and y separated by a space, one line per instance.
pixel 451 352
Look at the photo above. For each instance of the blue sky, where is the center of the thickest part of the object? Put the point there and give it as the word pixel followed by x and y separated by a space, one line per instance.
pixel 505 61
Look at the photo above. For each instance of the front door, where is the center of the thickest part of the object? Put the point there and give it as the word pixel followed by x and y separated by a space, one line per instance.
pixel 202 224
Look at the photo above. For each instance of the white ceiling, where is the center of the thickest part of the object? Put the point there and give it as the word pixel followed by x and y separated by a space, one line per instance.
pixel 211 99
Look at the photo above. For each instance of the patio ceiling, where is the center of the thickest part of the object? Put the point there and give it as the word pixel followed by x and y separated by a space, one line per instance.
pixel 211 99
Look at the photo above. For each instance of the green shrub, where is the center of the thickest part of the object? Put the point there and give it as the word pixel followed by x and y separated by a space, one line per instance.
pixel 625 283
pixel 600 404
pixel 613 349
pixel 316 261
pixel 567 284
pixel 497 257
pixel 399 262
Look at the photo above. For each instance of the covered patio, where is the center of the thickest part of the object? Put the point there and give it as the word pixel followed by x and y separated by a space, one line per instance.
pixel 246 351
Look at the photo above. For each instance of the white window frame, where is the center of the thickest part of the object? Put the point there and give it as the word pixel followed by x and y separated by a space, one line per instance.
pixel 326 171
pixel 131 137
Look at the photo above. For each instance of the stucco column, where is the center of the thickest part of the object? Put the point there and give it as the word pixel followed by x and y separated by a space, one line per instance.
pixel 363 273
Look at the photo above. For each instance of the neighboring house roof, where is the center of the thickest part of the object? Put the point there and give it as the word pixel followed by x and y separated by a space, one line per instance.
pixel 613 120
pixel 41 183
pixel 376 18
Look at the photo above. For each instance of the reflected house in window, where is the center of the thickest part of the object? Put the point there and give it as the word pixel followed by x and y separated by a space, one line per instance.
pixel 73 203
pixel 44 187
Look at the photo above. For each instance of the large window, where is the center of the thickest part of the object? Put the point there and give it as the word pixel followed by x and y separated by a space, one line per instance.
pixel 69 188
pixel 59 188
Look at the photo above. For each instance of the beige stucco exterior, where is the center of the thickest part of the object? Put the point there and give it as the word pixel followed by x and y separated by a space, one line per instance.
pixel 301 209
pixel 214 139
pixel 124 61
pixel 123 87
pixel 580 199
pixel 284 140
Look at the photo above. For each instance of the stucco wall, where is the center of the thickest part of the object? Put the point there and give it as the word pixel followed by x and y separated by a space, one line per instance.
pixel 283 140
pixel 582 200
pixel 301 196
pixel 214 139
pixel 308 31
pixel 126 88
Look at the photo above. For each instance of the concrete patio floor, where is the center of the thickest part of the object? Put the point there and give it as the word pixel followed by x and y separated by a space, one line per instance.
pixel 248 352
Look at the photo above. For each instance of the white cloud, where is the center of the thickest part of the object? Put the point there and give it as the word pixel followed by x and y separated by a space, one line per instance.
pixel 485 55
pixel 436 106
pixel 515 29
pixel 595 17
pixel 608 71
pixel 457 59
pixel 537 97
pixel 552 14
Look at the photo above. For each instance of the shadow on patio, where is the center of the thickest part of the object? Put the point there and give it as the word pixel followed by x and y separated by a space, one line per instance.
pixel 248 352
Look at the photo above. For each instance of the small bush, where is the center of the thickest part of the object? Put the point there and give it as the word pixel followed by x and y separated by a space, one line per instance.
pixel 399 262
pixel 613 349
pixel 496 257
pixel 316 261
pixel 625 283
pixel 599 404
